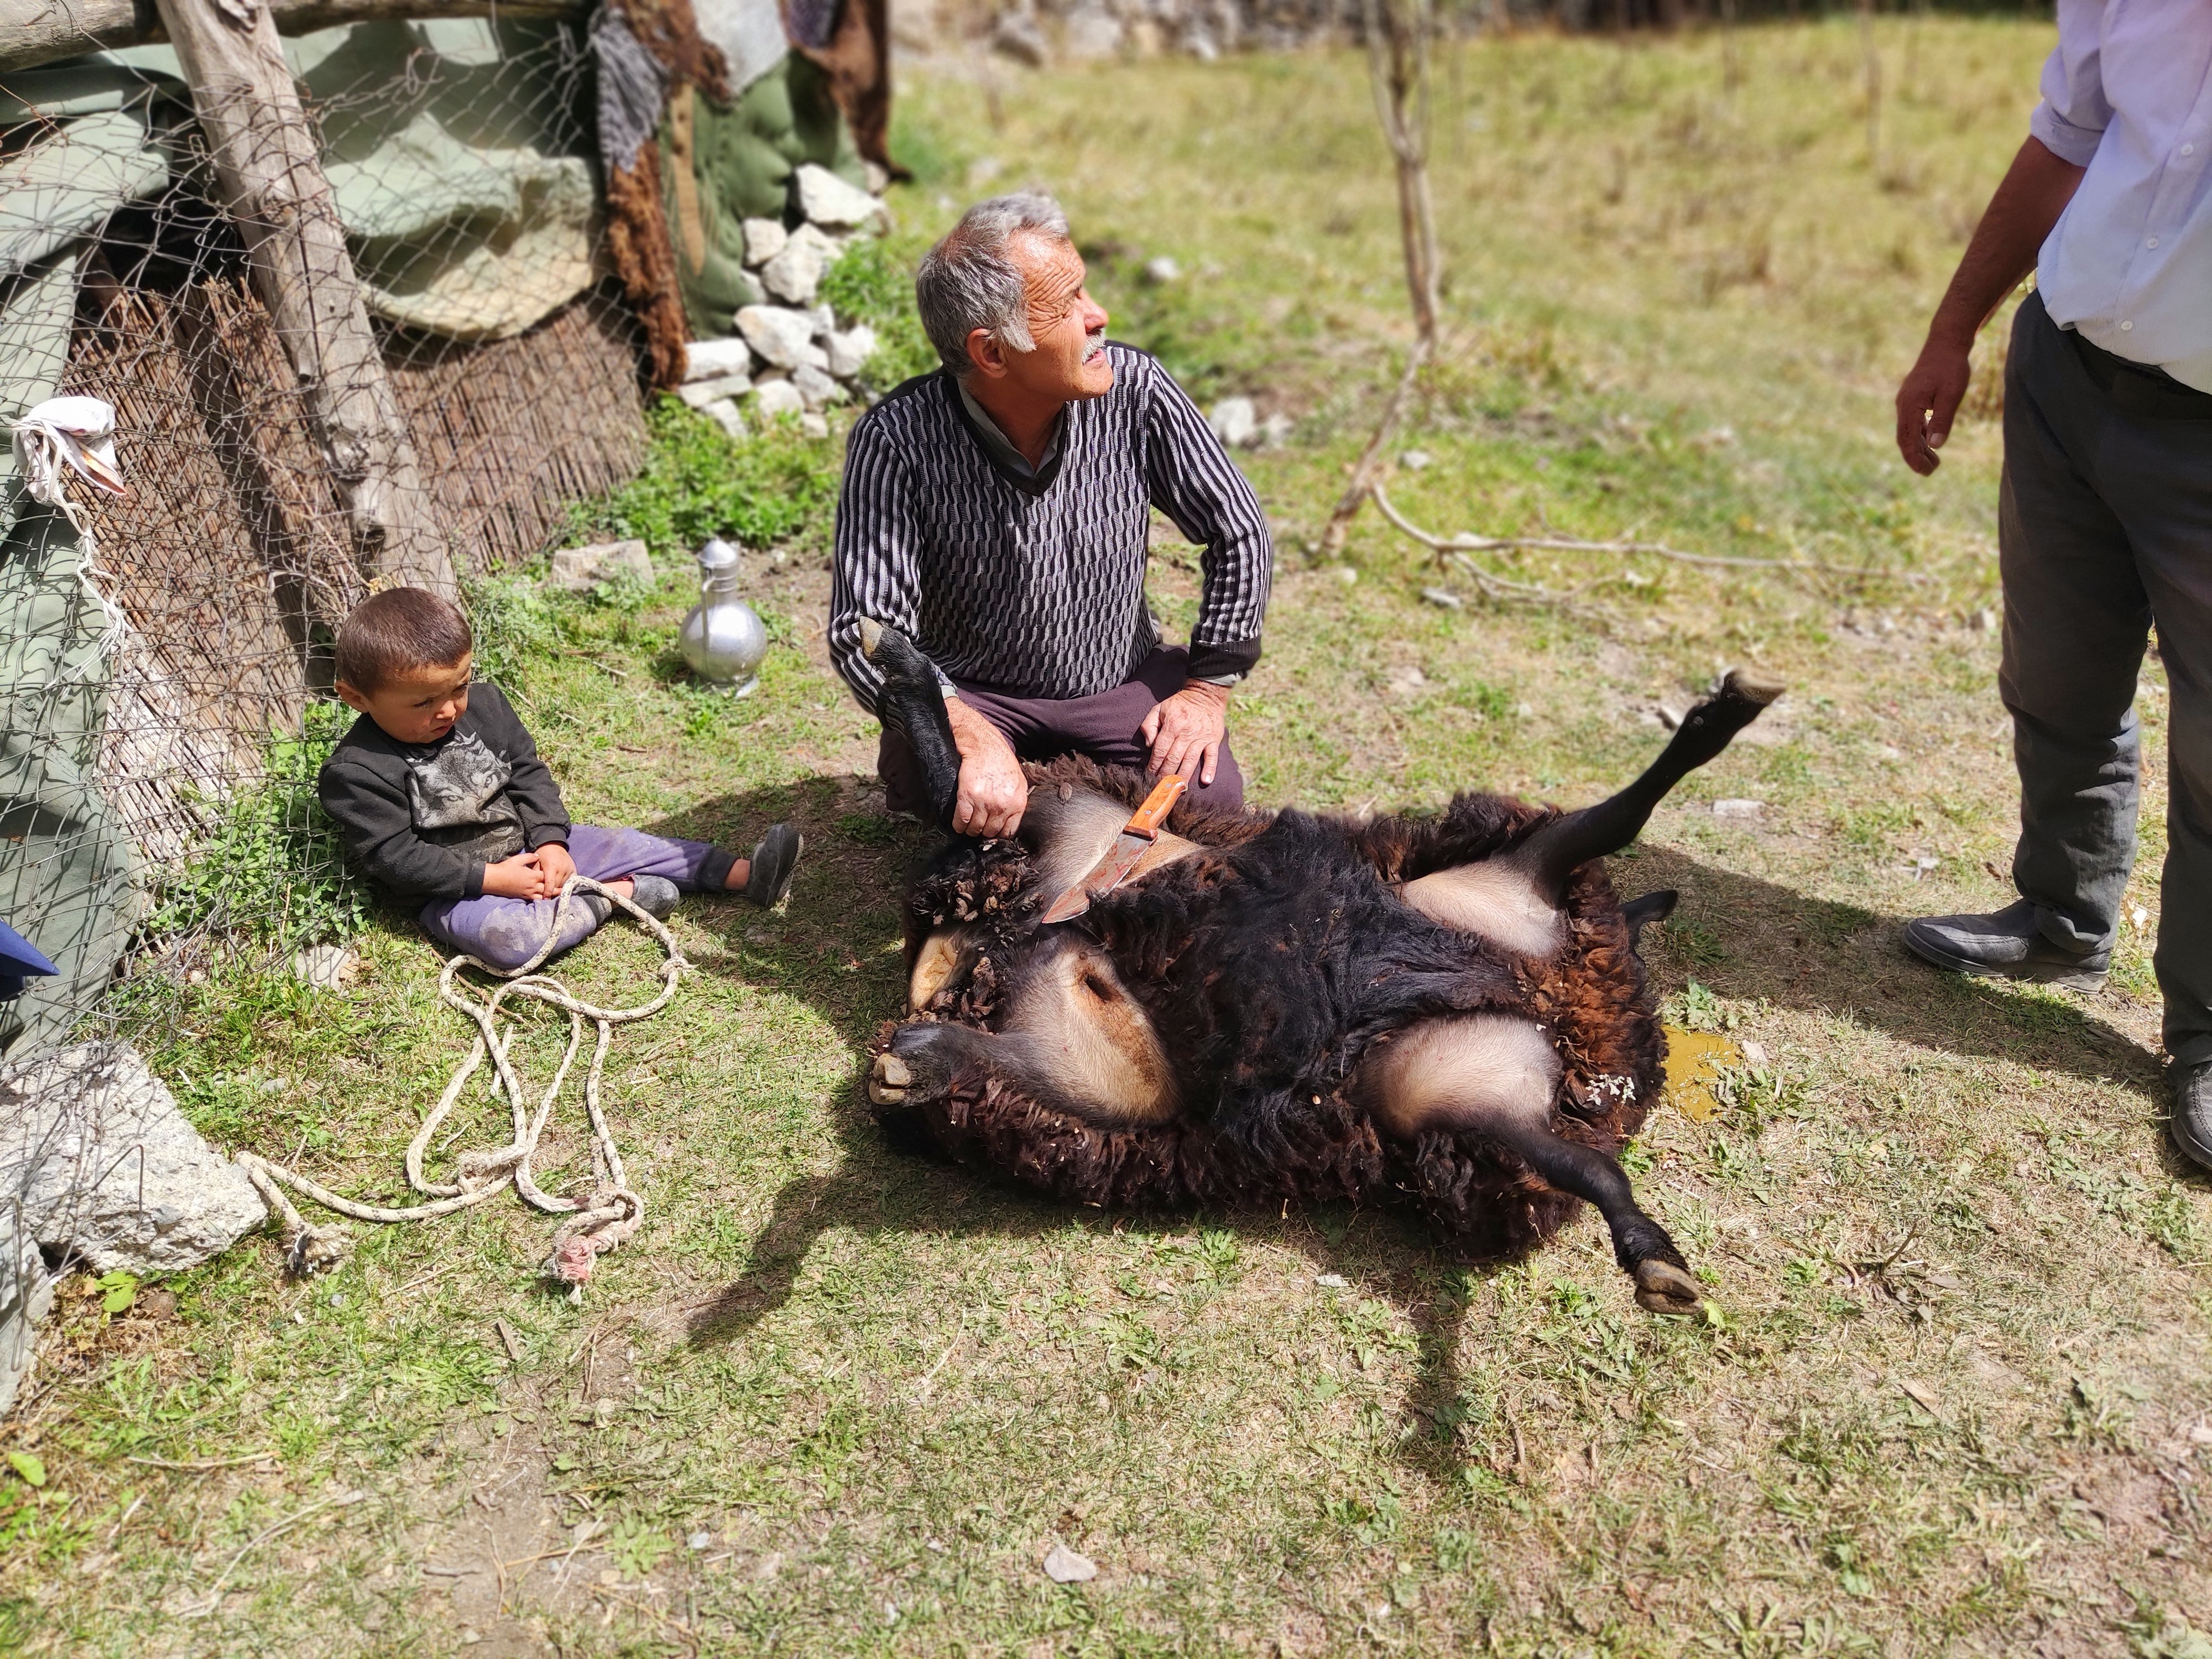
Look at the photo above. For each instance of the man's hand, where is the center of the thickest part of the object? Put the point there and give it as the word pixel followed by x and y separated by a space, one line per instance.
pixel 1929 399
pixel 519 877
pixel 2034 192
pixel 554 865
pixel 993 793
pixel 1186 731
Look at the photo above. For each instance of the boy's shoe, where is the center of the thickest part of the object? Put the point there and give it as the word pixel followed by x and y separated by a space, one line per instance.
pixel 655 895
pixel 2191 1126
pixel 2005 944
pixel 775 861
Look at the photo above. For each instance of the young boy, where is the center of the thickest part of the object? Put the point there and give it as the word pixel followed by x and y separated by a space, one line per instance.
pixel 440 795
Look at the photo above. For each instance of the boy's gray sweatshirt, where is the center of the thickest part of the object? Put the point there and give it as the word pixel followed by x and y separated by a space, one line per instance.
pixel 425 818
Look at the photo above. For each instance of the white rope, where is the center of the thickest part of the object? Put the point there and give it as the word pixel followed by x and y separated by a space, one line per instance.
pixel 597 1223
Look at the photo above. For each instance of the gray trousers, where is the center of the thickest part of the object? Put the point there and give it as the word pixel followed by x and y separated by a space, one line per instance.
pixel 2105 527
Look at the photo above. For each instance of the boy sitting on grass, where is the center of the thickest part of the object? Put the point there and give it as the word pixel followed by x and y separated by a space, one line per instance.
pixel 440 795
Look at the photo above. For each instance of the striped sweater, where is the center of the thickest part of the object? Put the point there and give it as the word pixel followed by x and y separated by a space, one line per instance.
pixel 1034 586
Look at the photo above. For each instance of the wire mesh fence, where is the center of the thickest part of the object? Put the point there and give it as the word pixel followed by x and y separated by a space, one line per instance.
pixel 163 652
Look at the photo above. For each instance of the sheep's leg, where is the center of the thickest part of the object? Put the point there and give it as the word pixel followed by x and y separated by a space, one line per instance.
pixel 1640 913
pixel 1567 843
pixel 1492 1076
pixel 1074 1040
pixel 912 705
pixel 1640 1244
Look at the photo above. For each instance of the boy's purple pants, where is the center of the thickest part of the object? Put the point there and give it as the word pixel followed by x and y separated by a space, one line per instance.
pixel 1104 726
pixel 507 931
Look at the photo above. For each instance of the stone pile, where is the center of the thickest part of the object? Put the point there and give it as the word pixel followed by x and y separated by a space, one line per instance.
pixel 789 355
pixel 1038 32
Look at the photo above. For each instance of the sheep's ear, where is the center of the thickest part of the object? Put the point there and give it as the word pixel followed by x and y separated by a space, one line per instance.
pixel 1638 913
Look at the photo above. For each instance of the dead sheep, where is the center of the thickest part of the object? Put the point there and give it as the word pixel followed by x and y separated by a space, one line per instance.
pixel 1290 1007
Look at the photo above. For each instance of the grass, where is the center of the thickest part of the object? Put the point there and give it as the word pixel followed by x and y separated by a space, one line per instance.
pixel 832 1399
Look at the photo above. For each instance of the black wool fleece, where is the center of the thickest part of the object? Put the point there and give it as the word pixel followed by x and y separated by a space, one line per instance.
pixel 425 818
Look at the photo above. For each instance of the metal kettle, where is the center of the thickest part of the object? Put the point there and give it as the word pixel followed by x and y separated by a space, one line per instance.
pixel 724 639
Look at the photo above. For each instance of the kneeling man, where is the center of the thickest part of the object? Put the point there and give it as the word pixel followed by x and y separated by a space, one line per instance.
pixel 996 512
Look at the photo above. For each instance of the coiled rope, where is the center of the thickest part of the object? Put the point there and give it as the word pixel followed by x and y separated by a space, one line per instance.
pixel 596 1224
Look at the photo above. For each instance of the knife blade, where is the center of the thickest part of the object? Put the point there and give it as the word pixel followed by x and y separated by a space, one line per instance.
pixel 1135 840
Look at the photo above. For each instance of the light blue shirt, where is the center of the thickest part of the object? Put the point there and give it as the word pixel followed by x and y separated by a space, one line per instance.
pixel 2128 95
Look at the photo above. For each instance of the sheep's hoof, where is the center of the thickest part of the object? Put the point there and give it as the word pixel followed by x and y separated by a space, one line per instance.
pixel 1752 686
pixel 1664 1288
pixel 888 1080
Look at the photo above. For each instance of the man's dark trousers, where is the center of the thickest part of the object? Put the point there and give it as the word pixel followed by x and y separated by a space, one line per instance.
pixel 2105 527
pixel 1105 727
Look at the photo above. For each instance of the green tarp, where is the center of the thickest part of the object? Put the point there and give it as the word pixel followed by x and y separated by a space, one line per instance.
pixel 722 166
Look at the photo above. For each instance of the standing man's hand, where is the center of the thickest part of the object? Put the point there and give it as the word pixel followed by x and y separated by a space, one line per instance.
pixel 993 793
pixel 2034 192
pixel 1185 733
pixel 1928 400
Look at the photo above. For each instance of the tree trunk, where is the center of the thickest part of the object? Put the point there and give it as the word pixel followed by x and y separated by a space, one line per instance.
pixel 267 165
pixel 1398 34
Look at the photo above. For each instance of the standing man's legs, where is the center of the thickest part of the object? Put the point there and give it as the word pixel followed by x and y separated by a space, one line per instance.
pixel 2105 523
pixel 2076 621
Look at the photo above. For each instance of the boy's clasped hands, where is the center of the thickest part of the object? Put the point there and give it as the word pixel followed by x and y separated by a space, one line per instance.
pixel 533 875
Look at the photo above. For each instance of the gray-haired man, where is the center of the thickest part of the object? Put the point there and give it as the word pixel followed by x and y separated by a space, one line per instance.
pixel 2105 515
pixel 997 513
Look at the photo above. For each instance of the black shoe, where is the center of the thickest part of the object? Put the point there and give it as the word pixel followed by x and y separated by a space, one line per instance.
pixel 2191 1123
pixel 655 895
pixel 2005 945
pixel 775 861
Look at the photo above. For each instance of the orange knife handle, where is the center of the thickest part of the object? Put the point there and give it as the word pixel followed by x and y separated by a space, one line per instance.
pixel 1148 818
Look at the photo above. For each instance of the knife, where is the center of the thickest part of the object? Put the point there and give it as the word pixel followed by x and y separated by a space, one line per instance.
pixel 1135 840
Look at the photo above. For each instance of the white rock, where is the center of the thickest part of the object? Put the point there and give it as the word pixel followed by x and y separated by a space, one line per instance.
pixel 764 239
pixel 699 393
pixel 1063 1566
pixel 109 1170
pixel 816 386
pixel 813 425
pixel 1019 36
pixel 26 1296
pixel 783 338
pixel 725 414
pixel 1275 430
pixel 795 273
pixel 1091 32
pixel 334 967
pixel 1444 597
pixel 1414 460
pixel 824 319
pixel 1235 421
pixel 579 570
pixel 829 247
pixel 1162 268
pixel 826 199
pixel 775 398
pixel 849 351
pixel 712 360
pixel 1331 1281
pixel 1743 811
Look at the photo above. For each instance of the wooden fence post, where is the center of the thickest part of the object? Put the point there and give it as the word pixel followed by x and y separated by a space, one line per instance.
pixel 275 191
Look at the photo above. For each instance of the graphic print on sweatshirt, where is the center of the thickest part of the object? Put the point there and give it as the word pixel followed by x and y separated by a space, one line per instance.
pixel 456 798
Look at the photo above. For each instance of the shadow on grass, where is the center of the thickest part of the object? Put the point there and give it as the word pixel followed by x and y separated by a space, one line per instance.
pixel 1796 952
pixel 1775 944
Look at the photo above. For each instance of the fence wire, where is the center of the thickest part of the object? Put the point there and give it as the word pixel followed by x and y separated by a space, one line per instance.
pixel 161 655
